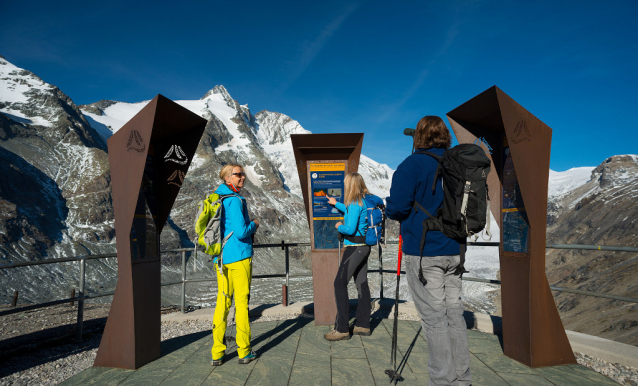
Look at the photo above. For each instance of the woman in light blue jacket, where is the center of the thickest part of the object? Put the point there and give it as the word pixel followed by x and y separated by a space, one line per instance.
pixel 354 261
pixel 234 276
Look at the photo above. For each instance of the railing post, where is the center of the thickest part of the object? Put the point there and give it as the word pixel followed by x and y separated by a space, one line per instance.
pixel 380 276
pixel 184 279
pixel 81 298
pixel 284 294
pixel 14 301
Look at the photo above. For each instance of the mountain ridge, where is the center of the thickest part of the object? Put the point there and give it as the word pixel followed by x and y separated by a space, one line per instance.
pixel 58 148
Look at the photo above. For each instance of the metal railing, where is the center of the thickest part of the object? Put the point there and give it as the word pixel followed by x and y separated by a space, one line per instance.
pixel 82 296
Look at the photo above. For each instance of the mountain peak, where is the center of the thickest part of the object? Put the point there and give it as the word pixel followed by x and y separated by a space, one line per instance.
pixel 615 169
pixel 97 108
pixel 221 90
pixel 275 128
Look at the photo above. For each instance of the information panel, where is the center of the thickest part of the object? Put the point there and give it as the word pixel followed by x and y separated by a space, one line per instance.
pixel 515 222
pixel 326 180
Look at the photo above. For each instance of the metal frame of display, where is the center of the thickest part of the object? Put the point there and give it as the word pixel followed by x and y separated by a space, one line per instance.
pixel 324 148
pixel 149 158
pixel 533 333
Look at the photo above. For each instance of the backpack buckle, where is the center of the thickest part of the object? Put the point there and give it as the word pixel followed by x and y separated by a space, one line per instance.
pixel 466 188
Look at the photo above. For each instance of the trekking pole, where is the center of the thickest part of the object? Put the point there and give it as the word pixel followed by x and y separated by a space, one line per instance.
pixel 392 373
pixel 339 243
pixel 339 240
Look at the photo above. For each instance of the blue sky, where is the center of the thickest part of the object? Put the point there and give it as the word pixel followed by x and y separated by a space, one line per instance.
pixel 339 66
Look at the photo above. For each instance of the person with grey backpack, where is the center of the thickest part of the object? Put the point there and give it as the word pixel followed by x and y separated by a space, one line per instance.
pixel 234 264
pixel 437 214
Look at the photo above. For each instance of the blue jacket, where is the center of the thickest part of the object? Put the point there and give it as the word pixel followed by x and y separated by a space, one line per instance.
pixel 413 181
pixel 235 219
pixel 354 220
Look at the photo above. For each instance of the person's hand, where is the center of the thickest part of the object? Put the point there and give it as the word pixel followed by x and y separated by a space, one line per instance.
pixel 338 224
pixel 332 200
pixel 256 223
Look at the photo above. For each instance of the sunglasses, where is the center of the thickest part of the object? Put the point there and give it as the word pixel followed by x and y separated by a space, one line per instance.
pixel 240 175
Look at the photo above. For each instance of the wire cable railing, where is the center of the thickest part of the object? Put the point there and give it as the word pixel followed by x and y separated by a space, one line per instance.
pixel 82 296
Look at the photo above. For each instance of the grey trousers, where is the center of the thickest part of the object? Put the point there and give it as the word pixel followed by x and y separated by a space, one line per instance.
pixel 441 310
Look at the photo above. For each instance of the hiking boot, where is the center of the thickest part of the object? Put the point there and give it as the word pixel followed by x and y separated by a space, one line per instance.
pixel 361 331
pixel 248 358
pixel 336 335
pixel 217 362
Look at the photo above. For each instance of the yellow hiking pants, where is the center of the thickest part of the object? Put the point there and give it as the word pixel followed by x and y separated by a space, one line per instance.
pixel 234 282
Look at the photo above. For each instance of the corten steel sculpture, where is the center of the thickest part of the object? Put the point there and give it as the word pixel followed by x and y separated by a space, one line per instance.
pixel 324 152
pixel 518 145
pixel 149 158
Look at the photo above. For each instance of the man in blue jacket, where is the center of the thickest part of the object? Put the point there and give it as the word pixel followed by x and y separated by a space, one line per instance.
pixel 438 301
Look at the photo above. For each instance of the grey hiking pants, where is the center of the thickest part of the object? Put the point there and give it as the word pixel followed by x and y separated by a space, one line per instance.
pixel 439 305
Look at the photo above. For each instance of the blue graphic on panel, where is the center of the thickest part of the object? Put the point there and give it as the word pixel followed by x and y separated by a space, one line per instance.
pixel 326 180
pixel 515 221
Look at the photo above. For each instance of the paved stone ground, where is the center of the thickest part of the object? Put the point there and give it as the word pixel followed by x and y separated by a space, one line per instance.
pixel 293 352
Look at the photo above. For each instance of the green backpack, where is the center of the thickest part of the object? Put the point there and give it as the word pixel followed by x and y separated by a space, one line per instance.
pixel 208 224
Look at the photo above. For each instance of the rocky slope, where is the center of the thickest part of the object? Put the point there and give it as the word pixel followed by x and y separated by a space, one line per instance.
pixel 54 194
pixel 261 143
pixel 55 197
pixel 603 211
pixel 55 201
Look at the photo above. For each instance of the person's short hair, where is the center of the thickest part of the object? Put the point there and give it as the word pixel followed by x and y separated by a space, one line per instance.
pixel 227 170
pixel 432 132
pixel 355 187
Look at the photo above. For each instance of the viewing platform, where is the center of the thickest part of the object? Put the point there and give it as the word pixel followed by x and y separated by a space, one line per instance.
pixel 294 352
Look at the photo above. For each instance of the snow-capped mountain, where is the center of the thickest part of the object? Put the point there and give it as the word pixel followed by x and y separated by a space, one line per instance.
pixel 261 143
pixel 561 183
pixel 48 143
pixel 55 201
pixel 54 189
pixel 270 131
pixel 601 210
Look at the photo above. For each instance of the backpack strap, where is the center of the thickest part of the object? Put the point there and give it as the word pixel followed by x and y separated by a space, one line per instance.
pixel 433 155
pixel 461 268
pixel 438 159
pixel 420 207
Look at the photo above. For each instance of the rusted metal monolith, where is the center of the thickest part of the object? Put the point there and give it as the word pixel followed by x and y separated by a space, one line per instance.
pixel 518 145
pixel 323 160
pixel 149 158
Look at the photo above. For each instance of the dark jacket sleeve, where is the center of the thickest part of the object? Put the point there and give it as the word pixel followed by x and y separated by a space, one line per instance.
pixel 402 191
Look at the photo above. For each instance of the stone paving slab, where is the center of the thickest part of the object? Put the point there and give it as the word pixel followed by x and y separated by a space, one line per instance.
pixel 294 352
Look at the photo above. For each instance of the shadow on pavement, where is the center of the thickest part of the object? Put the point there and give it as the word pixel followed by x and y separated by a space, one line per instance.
pixel 287 328
pixel 170 345
pixel 26 351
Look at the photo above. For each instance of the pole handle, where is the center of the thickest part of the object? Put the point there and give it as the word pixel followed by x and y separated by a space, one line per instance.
pixel 400 255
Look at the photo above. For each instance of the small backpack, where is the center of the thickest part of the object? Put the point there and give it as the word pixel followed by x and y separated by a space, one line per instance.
pixel 376 220
pixel 465 210
pixel 208 224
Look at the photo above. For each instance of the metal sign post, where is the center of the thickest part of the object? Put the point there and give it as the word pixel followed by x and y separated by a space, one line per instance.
pixel 323 160
pixel 518 144
pixel 149 158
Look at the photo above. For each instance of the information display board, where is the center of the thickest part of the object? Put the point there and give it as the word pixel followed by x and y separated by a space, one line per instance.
pixel 533 333
pixel 326 180
pixel 515 222
pixel 144 236
pixel 149 158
